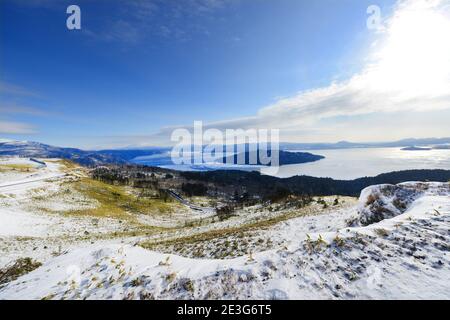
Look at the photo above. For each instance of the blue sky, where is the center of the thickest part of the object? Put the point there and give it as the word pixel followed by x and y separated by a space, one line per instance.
pixel 138 67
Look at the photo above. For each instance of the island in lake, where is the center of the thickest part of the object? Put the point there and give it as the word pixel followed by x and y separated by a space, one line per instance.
pixel 416 149
pixel 285 158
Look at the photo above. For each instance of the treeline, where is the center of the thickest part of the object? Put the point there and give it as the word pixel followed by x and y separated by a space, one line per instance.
pixel 271 187
pixel 194 189
pixel 242 186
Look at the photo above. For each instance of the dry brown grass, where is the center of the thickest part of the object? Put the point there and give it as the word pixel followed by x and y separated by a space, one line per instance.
pixel 18 268
pixel 116 201
pixel 17 167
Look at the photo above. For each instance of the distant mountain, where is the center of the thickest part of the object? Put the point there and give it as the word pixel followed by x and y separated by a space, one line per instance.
pixel 442 147
pixel 155 154
pixel 349 145
pixel 40 150
pixel 285 158
pixel 88 158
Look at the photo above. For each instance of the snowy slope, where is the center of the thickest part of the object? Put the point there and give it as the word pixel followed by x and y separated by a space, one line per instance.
pixel 40 150
pixel 406 256
pixel 11 181
pixel 386 201
pixel 27 231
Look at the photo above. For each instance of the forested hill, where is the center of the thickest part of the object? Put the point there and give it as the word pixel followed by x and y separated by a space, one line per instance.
pixel 256 184
pixel 284 157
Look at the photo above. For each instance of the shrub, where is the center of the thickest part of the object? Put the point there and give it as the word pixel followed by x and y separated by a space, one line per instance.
pixel 188 285
pixel 225 212
pixel 371 199
pixel 194 189
pixel 381 232
pixel 17 269
pixel 171 276
pixel 279 194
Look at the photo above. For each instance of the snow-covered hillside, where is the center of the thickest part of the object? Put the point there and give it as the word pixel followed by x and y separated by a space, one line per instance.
pixel 398 247
pixel 40 150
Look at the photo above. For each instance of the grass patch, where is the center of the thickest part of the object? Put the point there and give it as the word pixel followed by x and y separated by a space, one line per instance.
pixel 68 164
pixel 116 202
pixel 171 277
pixel 17 269
pixel 17 167
pixel 225 232
pixel 382 232
pixel 188 285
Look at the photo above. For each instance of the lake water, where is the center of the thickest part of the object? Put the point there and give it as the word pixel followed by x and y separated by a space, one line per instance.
pixel 349 164
pixel 345 164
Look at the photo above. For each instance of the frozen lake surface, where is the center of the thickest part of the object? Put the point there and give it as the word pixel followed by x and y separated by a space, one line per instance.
pixel 349 164
pixel 345 164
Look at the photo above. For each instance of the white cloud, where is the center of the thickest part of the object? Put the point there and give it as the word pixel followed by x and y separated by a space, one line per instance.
pixel 407 72
pixel 7 127
pixel 402 91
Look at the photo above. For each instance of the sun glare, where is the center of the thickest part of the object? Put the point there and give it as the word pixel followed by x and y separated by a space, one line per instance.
pixel 414 60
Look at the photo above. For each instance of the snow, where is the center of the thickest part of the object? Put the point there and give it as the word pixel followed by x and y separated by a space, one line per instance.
pixel 403 256
pixel 16 223
pixel 15 189
pixel 386 201
pixel 12 181
pixel 29 230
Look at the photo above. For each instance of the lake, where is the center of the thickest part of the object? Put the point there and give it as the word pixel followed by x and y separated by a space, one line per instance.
pixel 344 164
pixel 347 164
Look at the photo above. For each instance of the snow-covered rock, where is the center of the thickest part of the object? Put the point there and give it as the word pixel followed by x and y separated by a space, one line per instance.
pixel 385 201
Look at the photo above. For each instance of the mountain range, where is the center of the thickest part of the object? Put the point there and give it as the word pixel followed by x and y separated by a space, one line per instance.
pixel 83 157
pixel 410 142
pixel 123 156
